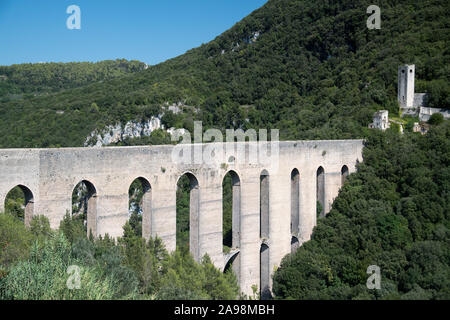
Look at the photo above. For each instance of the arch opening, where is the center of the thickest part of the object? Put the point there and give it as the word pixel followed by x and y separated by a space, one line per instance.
pixel 140 206
pixel 187 217
pixel 233 264
pixel 344 174
pixel 264 272
pixel 294 244
pixel 19 202
pixel 84 206
pixel 295 202
pixel 320 192
pixel 231 218
pixel 230 262
pixel 231 206
pixel 264 205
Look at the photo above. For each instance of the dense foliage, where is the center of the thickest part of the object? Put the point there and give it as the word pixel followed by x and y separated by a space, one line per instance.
pixel 34 264
pixel 393 213
pixel 25 80
pixel 14 203
pixel 227 211
pixel 310 68
pixel 183 213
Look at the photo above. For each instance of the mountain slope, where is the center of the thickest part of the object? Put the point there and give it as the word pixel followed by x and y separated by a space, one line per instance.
pixel 312 69
pixel 41 78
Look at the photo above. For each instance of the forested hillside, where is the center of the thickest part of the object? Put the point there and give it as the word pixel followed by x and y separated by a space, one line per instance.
pixel 310 68
pixel 27 80
pixel 393 213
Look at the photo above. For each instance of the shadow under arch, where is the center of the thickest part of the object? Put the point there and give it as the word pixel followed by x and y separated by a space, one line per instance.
pixel 320 191
pixel 187 216
pixel 264 204
pixel 232 262
pixel 231 218
pixel 264 272
pixel 294 244
pixel 84 205
pixel 140 206
pixel 295 202
pixel 28 205
pixel 344 174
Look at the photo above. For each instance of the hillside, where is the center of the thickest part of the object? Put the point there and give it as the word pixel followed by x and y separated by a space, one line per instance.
pixel 28 80
pixel 393 213
pixel 310 68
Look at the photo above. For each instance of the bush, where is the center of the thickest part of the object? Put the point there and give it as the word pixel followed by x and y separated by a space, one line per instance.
pixel 73 229
pixel 436 119
pixel 15 240
pixel 44 276
pixel 40 227
pixel 198 280
pixel 393 212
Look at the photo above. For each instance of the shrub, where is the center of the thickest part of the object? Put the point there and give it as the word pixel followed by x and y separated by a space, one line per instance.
pixel 40 227
pixel 44 275
pixel 15 240
pixel 73 229
pixel 436 119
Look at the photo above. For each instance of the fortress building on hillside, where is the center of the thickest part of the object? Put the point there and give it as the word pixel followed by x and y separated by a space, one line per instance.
pixel 411 103
pixel 406 85
pixel 407 98
pixel 380 120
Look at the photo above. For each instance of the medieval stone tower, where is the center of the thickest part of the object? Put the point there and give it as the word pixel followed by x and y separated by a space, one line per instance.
pixel 406 75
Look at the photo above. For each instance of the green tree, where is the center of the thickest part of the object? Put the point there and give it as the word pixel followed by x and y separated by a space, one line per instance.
pixel 15 240
pixel 390 213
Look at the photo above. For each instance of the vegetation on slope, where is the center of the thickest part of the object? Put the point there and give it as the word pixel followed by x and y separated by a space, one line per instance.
pixel 34 264
pixel 393 213
pixel 26 80
pixel 314 71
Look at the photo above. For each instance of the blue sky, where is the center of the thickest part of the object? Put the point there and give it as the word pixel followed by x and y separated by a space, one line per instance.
pixel 151 31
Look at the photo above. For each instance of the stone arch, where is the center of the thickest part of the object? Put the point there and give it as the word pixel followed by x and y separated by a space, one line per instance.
pixel 140 203
pixel 320 190
pixel 232 240
pixel 344 174
pixel 264 204
pixel 264 272
pixel 235 209
pixel 28 203
pixel 232 262
pixel 194 213
pixel 295 202
pixel 86 192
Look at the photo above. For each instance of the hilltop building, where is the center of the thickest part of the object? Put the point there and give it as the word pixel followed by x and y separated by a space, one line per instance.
pixel 411 103
pixel 406 96
pixel 406 85
pixel 380 120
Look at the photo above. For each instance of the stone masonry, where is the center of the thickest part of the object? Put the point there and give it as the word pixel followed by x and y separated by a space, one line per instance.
pixel 48 178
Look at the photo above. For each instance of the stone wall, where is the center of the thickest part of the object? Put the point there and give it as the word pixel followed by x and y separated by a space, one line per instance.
pixel 52 174
pixel 420 100
pixel 426 113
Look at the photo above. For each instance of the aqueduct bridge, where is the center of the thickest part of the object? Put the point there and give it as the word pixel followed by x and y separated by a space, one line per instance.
pixel 274 206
